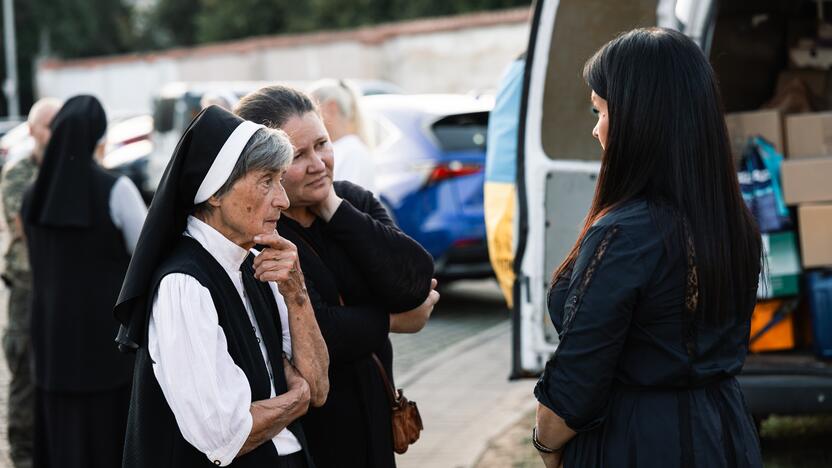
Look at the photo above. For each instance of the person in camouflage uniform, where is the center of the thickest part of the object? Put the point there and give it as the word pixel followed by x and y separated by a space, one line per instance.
pixel 16 178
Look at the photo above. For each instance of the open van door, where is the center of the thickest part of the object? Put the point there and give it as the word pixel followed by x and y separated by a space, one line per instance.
pixel 557 157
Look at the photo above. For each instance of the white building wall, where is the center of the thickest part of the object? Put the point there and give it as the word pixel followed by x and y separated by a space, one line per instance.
pixel 462 60
pixel 456 62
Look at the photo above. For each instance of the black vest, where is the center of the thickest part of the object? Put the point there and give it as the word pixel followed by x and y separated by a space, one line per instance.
pixel 153 437
pixel 76 277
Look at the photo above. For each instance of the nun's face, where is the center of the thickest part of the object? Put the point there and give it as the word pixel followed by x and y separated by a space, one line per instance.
pixel 251 207
pixel 309 178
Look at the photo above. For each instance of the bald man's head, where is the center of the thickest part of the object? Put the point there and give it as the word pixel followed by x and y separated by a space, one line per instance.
pixel 40 116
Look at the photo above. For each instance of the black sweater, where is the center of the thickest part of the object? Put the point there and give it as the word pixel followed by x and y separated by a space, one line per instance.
pixel 359 268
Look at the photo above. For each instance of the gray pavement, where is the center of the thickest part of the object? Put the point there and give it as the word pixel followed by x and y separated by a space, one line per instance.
pixel 465 399
pixel 465 308
pixel 457 369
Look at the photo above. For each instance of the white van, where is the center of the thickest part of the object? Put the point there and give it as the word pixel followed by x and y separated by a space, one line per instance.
pixel 558 160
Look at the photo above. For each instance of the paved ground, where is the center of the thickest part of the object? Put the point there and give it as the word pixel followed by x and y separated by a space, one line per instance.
pixel 465 308
pixel 466 400
pixel 457 371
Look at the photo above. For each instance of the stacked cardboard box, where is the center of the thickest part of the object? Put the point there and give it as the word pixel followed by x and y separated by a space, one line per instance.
pixel 743 125
pixel 806 142
pixel 807 183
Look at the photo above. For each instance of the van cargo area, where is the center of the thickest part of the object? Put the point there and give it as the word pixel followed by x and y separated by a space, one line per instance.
pixel 773 60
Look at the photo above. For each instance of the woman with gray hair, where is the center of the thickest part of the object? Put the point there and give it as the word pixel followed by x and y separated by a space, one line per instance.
pixel 229 354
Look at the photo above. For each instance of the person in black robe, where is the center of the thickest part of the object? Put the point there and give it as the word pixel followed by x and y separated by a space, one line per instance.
pixel 80 224
pixel 228 353
pixel 365 277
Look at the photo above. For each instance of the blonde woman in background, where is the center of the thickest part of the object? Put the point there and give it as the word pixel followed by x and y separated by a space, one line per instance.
pixel 339 103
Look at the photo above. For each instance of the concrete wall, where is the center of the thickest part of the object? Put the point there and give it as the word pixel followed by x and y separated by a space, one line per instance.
pixel 453 54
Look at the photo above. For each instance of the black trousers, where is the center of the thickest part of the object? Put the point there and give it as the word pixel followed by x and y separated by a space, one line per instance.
pixel 295 460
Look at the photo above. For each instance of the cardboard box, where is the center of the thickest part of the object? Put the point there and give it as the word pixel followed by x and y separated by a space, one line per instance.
pixel 815 223
pixel 765 123
pixel 799 91
pixel 782 278
pixel 807 180
pixel 815 80
pixel 809 135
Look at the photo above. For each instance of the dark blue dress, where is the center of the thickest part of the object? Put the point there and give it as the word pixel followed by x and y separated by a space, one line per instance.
pixel 641 379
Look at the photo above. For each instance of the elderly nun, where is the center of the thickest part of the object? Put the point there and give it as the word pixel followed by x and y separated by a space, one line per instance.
pixel 228 352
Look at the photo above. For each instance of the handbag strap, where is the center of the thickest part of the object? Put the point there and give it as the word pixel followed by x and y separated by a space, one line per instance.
pixel 391 390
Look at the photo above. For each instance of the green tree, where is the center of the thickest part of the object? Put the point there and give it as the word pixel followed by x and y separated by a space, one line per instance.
pixel 169 23
pixel 72 28
pixel 84 28
pixel 219 20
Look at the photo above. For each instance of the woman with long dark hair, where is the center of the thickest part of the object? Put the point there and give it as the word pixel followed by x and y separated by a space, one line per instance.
pixel 653 303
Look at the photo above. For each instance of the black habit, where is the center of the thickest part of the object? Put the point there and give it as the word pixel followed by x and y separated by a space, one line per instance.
pixel 153 437
pixel 362 260
pixel 78 258
pixel 154 440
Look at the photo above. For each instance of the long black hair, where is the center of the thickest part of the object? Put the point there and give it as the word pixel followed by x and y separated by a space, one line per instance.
pixel 667 142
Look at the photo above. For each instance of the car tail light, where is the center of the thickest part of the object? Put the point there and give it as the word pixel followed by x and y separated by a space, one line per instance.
pixel 453 169
pixel 135 139
pixel 462 243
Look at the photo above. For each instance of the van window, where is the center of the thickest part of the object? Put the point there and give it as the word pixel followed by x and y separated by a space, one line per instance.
pixel 462 131
pixel 581 27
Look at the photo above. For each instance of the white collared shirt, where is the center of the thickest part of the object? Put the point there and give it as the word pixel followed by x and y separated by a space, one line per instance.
pixel 208 393
pixel 127 211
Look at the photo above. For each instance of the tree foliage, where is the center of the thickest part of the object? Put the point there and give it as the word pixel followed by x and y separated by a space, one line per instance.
pixel 84 28
pixel 215 20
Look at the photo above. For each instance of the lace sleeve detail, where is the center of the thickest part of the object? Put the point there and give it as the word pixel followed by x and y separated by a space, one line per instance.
pixel 691 293
pixel 574 301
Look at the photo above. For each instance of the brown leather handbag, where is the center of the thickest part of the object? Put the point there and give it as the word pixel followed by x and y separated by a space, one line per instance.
pixel 407 422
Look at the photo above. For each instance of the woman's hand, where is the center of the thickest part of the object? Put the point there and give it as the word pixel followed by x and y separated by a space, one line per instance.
pixel 415 319
pixel 328 206
pixel 279 262
pixel 552 432
pixel 552 460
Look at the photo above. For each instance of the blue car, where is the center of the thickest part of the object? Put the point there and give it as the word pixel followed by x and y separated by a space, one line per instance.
pixel 430 155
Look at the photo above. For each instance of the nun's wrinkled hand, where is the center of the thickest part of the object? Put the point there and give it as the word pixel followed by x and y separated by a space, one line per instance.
pixel 279 262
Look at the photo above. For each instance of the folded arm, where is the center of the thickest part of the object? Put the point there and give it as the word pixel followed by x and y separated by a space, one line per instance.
pixel 207 392
pixel 401 269
pixel 279 263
